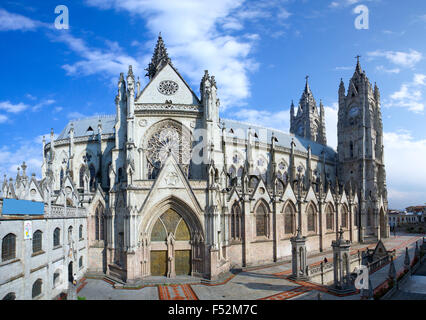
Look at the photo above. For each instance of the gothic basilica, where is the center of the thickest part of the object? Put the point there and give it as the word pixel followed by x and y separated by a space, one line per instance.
pixel 171 189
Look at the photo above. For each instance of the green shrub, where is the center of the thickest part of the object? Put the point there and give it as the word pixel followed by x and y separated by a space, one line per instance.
pixel 81 298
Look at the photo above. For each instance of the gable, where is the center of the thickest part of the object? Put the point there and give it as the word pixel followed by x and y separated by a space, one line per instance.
pixel 171 182
pixel 151 93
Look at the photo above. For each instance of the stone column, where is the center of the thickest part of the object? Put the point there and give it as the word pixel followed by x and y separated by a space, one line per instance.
pixel 299 258
pixel 341 256
pixel 171 256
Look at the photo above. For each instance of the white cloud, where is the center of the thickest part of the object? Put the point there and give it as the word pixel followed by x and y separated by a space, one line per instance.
pixel 346 3
pixel 385 70
pixel 404 159
pixel 3 118
pixel 75 115
pixel 12 156
pixel 189 25
pixel 109 62
pixel 13 108
pixel 409 96
pixel 279 120
pixel 400 58
pixel 12 22
pixel 43 103
pixel 343 68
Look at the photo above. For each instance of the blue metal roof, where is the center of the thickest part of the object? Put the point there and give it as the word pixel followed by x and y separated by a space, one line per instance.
pixel 22 207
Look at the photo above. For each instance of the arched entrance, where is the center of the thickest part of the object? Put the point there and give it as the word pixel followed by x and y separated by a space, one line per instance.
pixel 171 251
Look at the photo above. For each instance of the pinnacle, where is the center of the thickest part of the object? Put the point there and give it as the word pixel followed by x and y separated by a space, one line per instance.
pixel 159 57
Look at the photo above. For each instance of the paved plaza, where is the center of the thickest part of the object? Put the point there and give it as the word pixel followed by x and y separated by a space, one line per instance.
pixel 270 282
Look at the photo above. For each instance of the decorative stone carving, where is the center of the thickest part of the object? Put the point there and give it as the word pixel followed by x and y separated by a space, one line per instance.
pixel 168 87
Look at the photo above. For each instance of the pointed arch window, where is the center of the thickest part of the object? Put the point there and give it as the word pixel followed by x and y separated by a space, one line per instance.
pixel 99 223
pixel 262 219
pixel 351 149
pixel 61 178
pixel 329 218
pixel 311 219
pixel 344 217
pixel 82 170
pixel 168 137
pixel 8 247
pixel 289 219
pixel 236 222
pixel 92 171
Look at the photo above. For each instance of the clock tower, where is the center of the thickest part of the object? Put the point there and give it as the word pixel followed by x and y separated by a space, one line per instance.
pixel 360 153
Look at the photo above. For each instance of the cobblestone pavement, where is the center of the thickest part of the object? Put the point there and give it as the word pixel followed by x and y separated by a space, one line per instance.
pixel 255 283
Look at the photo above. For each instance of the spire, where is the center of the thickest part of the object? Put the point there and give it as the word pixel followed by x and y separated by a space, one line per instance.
pixel 341 87
pixel 159 57
pixel 307 89
pixel 358 65
pixel 376 93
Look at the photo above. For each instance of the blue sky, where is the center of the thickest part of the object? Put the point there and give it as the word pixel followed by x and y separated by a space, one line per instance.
pixel 259 52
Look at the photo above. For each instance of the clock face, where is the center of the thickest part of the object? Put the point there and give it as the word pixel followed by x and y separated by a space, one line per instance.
pixel 353 112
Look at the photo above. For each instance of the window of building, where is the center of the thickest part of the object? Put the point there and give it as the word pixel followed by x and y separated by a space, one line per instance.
pixel 92 171
pixel 261 220
pixel 70 234
pixel 80 232
pixel 236 222
pixel 329 218
pixel 10 296
pixel 37 241
pixel 56 278
pixel 82 170
pixel 37 288
pixel 80 262
pixel 61 178
pixel 344 217
pixel 99 223
pixel 8 247
pixel 289 219
pixel 311 218
pixel 56 237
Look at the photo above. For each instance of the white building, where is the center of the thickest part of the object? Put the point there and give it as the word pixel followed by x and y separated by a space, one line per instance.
pixel 170 188
pixel 44 246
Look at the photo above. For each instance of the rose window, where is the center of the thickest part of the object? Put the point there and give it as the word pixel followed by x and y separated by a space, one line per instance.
pixel 168 139
pixel 168 87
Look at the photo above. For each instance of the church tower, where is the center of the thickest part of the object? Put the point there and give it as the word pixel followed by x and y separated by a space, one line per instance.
pixel 360 152
pixel 308 122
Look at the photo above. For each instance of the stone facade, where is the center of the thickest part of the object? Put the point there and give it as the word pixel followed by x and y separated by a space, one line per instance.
pixel 170 188
pixel 53 264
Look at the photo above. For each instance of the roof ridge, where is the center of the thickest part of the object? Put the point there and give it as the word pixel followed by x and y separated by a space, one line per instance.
pixel 280 131
pixel 99 116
